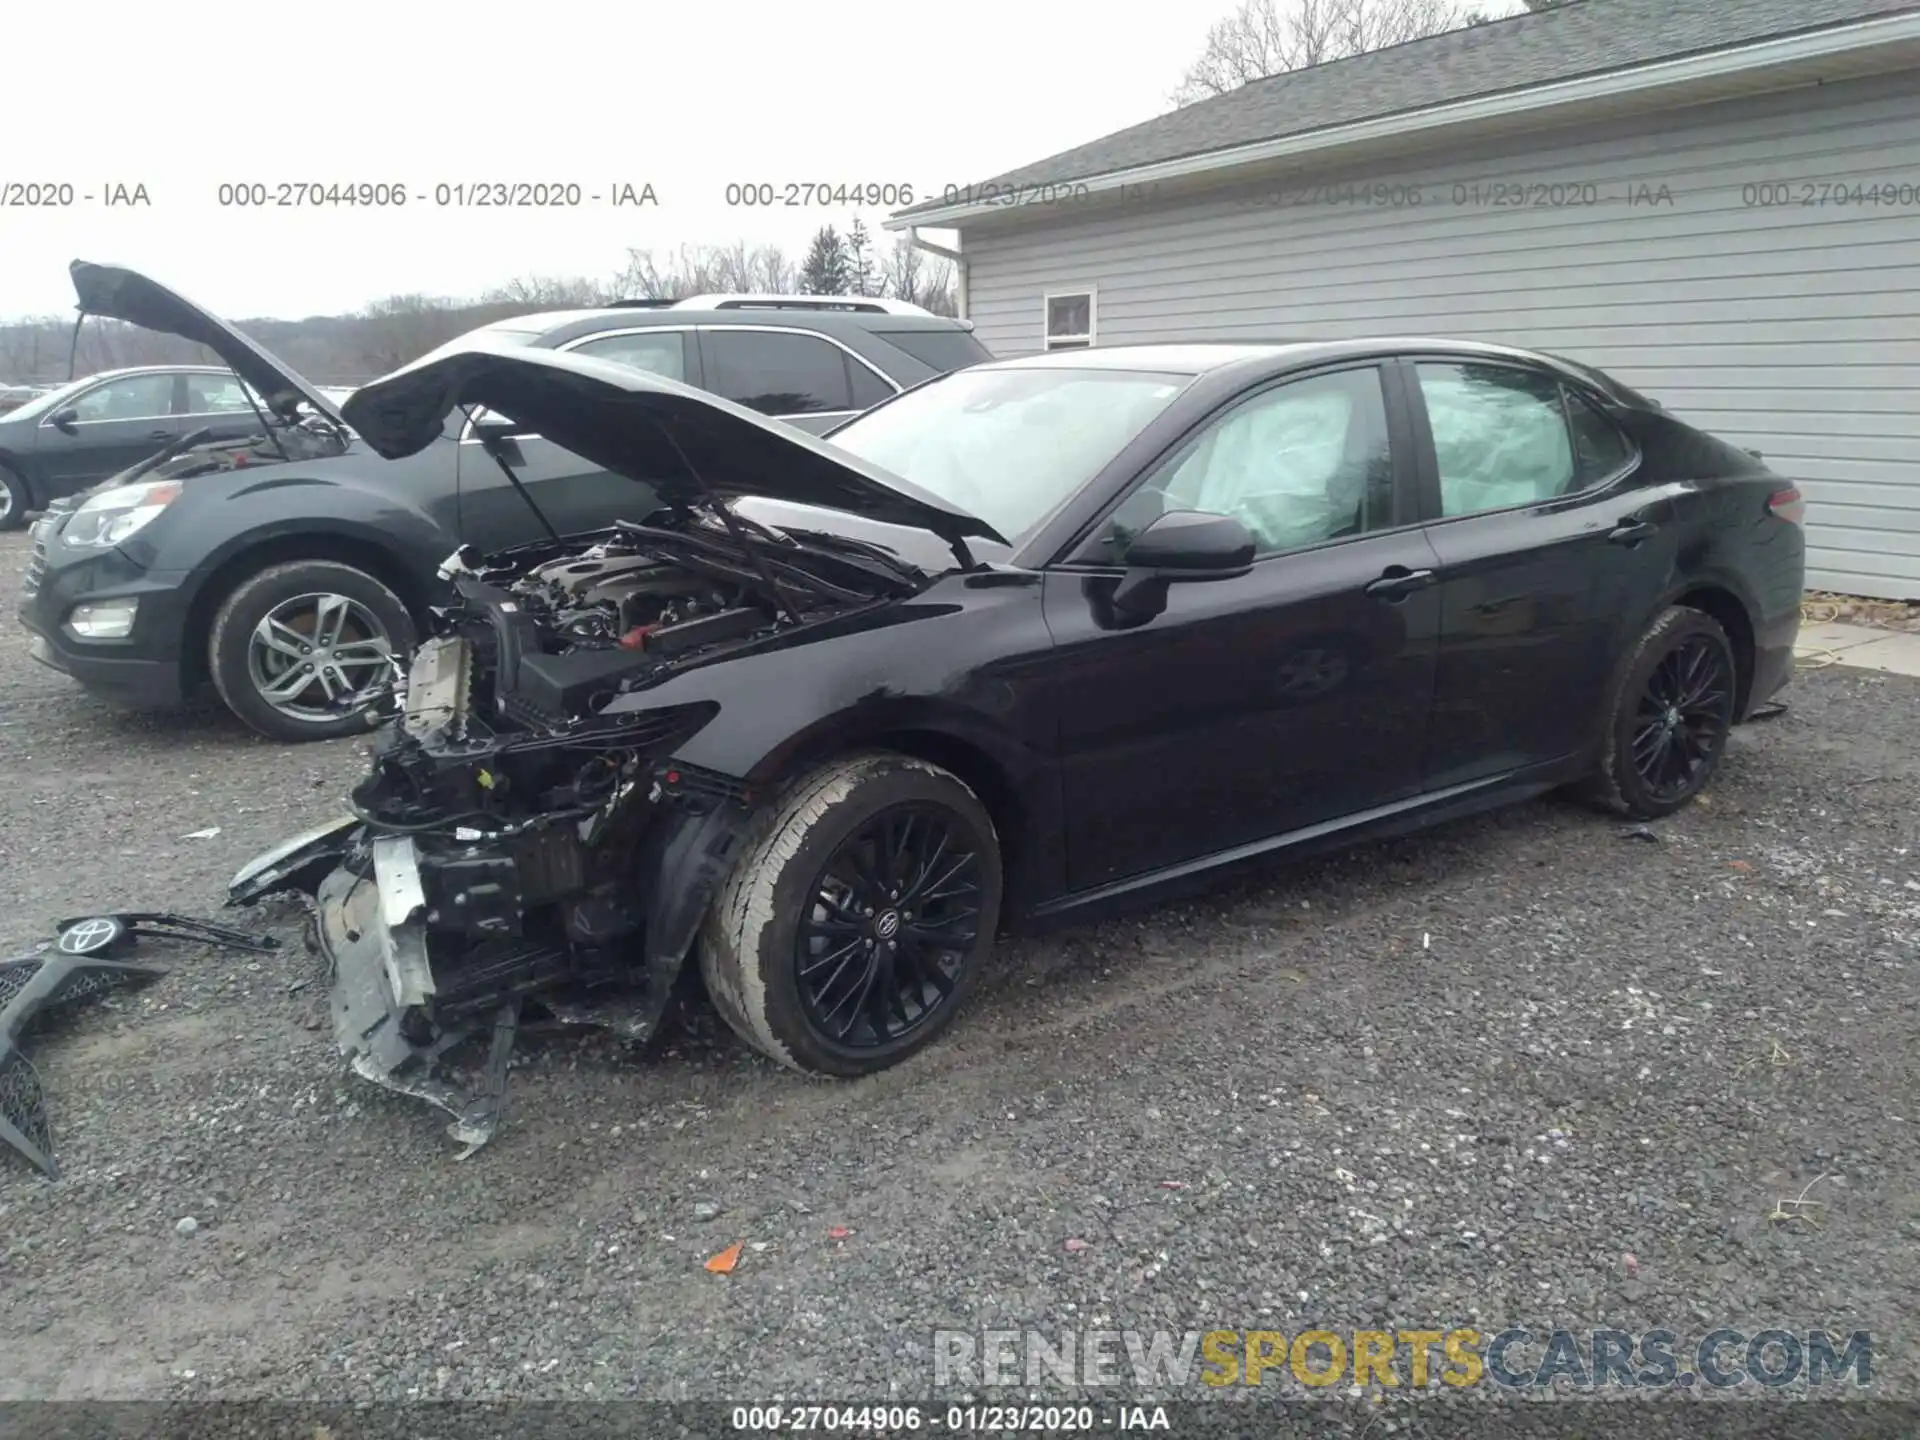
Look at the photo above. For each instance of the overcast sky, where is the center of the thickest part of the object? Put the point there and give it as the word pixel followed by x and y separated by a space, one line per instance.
pixel 687 98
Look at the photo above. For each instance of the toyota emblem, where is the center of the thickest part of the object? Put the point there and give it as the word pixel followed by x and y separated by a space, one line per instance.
pixel 86 937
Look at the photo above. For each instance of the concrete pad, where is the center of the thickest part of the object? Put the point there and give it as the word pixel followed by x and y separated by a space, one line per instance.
pixel 1837 636
pixel 1894 653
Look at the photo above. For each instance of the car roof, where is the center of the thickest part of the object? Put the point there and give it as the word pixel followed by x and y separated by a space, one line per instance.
pixel 1204 357
pixel 659 317
pixel 214 368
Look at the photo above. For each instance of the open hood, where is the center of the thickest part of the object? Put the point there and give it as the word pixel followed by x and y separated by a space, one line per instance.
pixel 685 443
pixel 122 294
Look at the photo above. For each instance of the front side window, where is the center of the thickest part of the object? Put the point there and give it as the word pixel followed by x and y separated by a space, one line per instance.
pixel 1300 464
pixel 778 373
pixel 659 352
pixel 1010 446
pixel 1500 436
pixel 136 397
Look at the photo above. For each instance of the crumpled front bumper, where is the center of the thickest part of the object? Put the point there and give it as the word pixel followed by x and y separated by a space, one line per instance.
pixel 377 952
pixel 395 1020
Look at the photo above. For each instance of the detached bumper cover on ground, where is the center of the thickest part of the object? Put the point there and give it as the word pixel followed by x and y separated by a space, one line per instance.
pixel 29 986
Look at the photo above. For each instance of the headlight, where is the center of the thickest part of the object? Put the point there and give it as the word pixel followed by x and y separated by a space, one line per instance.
pixel 112 515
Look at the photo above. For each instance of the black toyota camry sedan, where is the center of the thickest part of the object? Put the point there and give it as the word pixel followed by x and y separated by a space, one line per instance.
pixel 1037 635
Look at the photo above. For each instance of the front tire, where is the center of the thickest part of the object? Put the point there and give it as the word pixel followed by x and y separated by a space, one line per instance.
pixel 295 647
pixel 857 918
pixel 14 499
pixel 1670 713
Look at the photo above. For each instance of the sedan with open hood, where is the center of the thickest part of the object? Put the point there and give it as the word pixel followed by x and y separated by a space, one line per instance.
pixel 1039 636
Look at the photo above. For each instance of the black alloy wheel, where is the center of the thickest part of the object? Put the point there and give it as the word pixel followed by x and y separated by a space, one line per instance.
pixel 857 916
pixel 1684 714
pixel 894 916
pixel 1673 702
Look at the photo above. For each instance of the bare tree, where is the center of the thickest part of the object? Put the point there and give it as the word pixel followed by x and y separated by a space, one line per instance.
pixel 1271 37
pixel 705 269
pixel 401 328
pixel 902 273
pixel 859 247
pixel 920 279
pixel 547 292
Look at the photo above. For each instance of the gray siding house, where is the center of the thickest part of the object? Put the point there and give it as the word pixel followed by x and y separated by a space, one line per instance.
pixel 1719 202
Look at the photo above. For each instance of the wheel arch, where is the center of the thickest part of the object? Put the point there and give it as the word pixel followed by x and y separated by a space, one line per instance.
pixel 986 766
pixel 1721 603
pixel 285 548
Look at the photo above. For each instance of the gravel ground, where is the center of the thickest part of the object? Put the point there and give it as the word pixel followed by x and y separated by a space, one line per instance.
pixel 1531 1068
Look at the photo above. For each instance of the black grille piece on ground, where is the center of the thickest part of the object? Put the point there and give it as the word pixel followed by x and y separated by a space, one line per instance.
pixel 30 986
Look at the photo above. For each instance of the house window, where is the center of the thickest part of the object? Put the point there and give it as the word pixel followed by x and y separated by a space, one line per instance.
pixel 1069 320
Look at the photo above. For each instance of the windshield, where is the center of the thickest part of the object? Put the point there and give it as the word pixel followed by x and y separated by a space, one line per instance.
pixel 45 404
pixel 1009 446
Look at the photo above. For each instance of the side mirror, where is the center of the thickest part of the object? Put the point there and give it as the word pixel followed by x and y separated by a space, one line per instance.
pixel 496 434
pixel 63 419
pixel 1181 545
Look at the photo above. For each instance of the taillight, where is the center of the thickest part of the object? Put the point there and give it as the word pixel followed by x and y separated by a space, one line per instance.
pixel 1788 505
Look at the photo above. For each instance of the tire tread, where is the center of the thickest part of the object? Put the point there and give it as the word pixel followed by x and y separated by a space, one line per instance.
pixel 736 922
pixel 1605 788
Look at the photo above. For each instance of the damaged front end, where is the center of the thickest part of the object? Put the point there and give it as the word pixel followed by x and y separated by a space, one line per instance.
pixel 524 843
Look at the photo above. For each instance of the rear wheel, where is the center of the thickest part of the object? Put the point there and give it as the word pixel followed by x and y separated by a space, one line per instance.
pixel 298 649
pixel 14 500
pixel 855 924
pixel 1671 713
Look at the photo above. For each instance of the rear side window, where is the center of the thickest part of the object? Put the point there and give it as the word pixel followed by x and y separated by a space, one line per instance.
pixel 1599 449
pixel 941 350
pixel 779 373
pixel 215 395
pixel 660 352
pixel 868 388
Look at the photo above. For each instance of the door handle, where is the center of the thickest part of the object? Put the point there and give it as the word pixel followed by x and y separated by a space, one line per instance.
pixel 159 434
pixel 1397 582
pixel 1631 531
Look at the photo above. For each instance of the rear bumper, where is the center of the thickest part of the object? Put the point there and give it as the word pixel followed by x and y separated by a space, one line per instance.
pixel 1773 659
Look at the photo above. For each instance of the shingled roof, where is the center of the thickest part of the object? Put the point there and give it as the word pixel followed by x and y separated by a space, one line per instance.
pixel 1571 41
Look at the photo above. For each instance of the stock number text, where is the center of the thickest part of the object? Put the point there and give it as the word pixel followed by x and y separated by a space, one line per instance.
pixel 307 194
pixel 799 194
pixel 1767 194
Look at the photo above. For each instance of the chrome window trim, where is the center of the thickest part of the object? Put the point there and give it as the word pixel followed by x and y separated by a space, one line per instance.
pixel 169 373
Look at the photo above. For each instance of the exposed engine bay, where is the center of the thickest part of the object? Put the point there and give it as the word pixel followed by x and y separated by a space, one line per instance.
pixel 523 835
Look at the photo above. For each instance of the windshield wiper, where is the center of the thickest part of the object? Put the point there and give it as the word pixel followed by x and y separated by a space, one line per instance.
pixel 845 547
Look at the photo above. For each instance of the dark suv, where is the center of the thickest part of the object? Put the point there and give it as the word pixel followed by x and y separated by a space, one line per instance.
pixel 284 568
pixel 813 361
